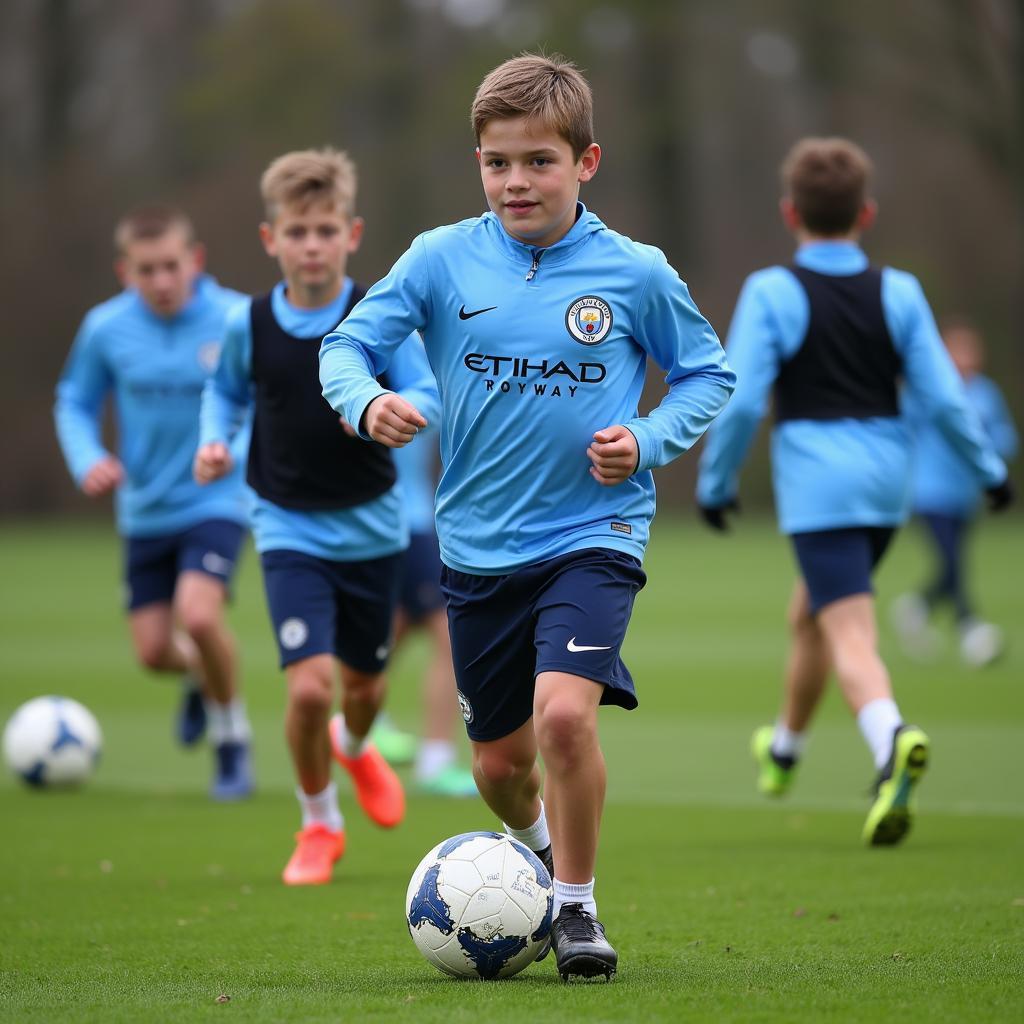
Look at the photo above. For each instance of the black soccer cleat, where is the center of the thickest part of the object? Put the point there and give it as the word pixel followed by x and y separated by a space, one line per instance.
pixel 581 948
pixel 548 860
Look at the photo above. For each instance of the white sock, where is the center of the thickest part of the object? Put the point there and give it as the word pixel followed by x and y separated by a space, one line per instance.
pixel 536 836
pixel 351 746
pixel 238 722
pixel 321 808
pixel 878 720
pixel 228 723
pixel 218 722
pixel 432 757
pixel 565 892
pixel 786 743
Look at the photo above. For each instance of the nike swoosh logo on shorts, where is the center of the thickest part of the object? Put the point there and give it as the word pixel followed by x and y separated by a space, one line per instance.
pixel 575 648
pixel 463 315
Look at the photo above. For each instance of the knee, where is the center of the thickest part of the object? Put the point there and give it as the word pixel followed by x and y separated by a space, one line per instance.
pixel 362 687
pixel 310 697
pixel 564 728
pixel 801 624
pixel 152 654
pixel 496 768
pixel 199 621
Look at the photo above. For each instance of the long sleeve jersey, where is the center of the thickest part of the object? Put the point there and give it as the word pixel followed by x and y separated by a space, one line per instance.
pixel 534 349
pixel 832 474
pixel 155 369
pixel 372 529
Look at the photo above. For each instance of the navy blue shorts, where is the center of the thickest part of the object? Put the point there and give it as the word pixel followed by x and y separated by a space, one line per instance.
pixel 319 606
pixel 565 614
pixel 152 565
pixel 839 563
pixel 420 592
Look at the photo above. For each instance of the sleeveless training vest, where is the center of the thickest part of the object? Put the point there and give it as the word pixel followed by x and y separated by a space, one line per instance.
pixel 299 456
pixel 847 365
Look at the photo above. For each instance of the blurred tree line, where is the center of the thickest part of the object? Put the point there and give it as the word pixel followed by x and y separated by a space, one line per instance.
pixel 109 103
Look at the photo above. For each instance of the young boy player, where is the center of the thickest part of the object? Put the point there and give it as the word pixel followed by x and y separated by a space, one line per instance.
pixel 327 518
pixel 833 337
pixel 538 321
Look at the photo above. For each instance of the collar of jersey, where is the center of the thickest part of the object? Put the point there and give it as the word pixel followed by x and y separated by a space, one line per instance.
pixel 305 323
pixel 839 258
pixel 564 249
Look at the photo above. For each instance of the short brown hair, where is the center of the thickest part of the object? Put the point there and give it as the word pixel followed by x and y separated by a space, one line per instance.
pixel 827 180
pixel 550 90
pixel 309 176
pixel 148 222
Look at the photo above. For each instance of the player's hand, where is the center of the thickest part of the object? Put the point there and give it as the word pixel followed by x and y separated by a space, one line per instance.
pixel 1001 496
pixel 614 455
pixel 392 421
pixel 212 461
pixel 347 427
pixel 714 515
pixel 103 477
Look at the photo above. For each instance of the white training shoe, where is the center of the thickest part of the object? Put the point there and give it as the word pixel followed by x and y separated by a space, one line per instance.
pixel 981 643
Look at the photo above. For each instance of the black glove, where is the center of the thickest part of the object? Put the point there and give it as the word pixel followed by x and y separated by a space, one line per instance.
pixel 1000 496
pixel 714 515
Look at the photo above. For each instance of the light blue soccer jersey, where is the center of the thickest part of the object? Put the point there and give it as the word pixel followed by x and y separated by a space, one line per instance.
pixel 943 481
pixel 534 350
pixel 831 474
pixel 155 368
pixel 371 530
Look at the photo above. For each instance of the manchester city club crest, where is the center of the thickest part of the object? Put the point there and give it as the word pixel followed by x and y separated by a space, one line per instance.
pixel 588 319
pixel 208 354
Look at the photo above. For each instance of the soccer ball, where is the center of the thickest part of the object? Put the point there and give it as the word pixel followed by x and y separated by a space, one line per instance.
pixel 479 906
pixel 52 741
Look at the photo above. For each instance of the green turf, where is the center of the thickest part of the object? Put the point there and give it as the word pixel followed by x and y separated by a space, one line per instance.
pixel 138 899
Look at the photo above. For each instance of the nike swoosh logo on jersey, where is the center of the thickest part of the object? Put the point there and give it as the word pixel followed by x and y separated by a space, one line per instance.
pixel 575 648
pixel 463 315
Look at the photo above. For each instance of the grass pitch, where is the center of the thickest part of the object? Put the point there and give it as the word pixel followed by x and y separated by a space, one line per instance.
pixel 137 898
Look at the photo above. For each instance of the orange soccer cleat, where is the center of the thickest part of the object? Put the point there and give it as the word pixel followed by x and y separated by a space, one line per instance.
pixel 378 788
pixel 316 850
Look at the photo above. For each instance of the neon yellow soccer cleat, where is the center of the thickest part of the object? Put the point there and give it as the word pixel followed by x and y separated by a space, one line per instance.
pixel 774 776
pixel 892 813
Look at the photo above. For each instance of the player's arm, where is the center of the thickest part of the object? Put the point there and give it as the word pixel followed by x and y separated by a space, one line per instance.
pixel 753 348
pixel 672 331
pixel 81 391
pixel 362 346
pixel 226 402
pixel 936 386
pixel 412 379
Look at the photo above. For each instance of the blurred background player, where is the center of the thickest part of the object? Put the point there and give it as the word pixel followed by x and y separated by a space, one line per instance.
pixel 153 347
pixel 832 336
pixel 539 321
pixel 421 607
pixel 946 498
pixel 327 516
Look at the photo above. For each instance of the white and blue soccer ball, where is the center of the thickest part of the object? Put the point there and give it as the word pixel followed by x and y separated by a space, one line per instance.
pixel 52 741
pixel 479 906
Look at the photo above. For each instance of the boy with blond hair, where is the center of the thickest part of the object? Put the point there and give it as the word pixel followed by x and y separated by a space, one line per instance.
pixel 152 348
pixel 834 337
pixel 327 518
pixel 538 321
